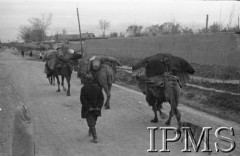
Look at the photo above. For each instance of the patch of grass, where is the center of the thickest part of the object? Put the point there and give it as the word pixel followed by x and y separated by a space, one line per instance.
pixel 210 98
pixel 190 95
pixel 235 88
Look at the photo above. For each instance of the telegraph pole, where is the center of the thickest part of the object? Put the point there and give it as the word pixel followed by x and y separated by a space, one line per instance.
pixel 207 23
pixel 79 27
pixel 238 24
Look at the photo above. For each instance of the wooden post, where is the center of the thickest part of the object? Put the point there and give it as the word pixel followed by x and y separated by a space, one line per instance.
pixel 80 34
pixel 238 24
pixel 207 23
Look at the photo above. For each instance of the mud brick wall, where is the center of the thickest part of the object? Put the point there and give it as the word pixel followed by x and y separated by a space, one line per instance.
pixel 220 49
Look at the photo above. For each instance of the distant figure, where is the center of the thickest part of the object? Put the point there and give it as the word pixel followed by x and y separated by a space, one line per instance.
pixel 30 54
pixel 23 143
pixel 40 55
pixel 22 53
pixel 91 98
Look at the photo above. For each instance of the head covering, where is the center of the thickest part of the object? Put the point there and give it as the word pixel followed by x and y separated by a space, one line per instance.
pixel 71 51
pixel 23 144
pixel 21 115
pixel 89 77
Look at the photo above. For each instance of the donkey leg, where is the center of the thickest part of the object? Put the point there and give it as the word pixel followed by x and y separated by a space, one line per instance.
pixel 53 80
pixel 151 100
pixel 159 108
pixel 49 79
pixel 64 89
pixel 162 114
pixel 168 122
pixel 58 82
pixel 178 117
pixel 68 90
pixel 107 106
pixel 106 90
pixel 154 108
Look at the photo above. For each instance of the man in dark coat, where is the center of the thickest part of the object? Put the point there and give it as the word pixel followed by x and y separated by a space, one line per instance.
pixel 22 53
pixel 92 99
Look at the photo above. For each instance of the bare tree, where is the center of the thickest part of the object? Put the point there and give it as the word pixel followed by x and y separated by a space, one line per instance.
pixel 37 29
pixel 229 25
pixel 25 33
pixel 104 25
pixel 41 23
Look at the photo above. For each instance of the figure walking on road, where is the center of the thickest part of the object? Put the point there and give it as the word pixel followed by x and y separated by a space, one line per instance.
pixel 22 53
pixel 91 98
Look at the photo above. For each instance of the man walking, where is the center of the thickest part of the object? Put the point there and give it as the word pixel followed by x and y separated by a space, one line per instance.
pixel 22 52
pixel 92 99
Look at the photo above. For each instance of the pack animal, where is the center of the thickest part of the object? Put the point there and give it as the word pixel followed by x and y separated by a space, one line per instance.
pixel 156 94
pixel 104 77
pixel 169 91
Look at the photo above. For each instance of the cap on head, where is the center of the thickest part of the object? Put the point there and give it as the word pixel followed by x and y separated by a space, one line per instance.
pixel 89 77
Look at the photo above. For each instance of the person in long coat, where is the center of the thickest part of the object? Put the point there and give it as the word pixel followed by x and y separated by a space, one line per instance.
pixel 23 141
pixel 91 98
pixel 22 52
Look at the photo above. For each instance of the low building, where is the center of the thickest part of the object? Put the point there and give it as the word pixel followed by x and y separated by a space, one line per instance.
pixel 68 37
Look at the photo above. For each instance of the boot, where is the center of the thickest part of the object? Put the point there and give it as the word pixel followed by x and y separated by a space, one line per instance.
pixel 94 134
pixel 89 132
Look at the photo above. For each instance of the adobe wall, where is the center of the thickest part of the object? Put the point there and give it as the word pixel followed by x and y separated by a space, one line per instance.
pixel 220 49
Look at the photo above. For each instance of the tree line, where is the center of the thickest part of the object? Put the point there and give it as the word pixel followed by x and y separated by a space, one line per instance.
pixel 175 28
pixel 37 30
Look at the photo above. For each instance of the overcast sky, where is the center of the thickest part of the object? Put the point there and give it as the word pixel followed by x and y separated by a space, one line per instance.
pixel 120 14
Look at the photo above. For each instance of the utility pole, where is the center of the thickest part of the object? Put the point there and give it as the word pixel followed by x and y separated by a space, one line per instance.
pixel 238 24
pixel 80 34
pixel 207 23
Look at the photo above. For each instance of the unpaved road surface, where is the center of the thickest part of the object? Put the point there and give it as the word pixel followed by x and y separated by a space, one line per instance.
pixel 59 129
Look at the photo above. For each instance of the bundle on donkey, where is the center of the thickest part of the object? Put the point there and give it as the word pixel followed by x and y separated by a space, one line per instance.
pixel 160 78
pixel 59 62
pixel 103 69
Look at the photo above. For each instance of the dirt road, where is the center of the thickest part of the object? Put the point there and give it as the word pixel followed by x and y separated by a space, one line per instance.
pixel 59 129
